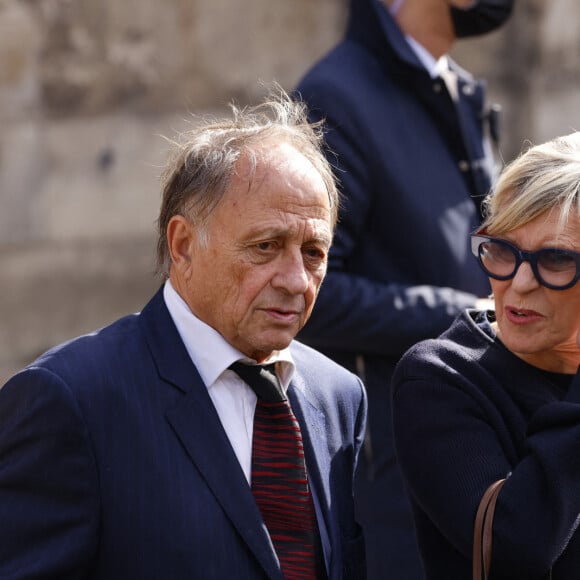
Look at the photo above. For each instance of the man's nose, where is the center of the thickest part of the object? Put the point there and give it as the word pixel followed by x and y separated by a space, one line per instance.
pixel 292 275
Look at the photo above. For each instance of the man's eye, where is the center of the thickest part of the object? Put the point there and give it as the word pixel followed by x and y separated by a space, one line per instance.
pixel 315 254
pixel 264 246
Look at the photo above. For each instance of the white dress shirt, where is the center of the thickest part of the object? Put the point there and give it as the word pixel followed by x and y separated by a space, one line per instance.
pixel 435 67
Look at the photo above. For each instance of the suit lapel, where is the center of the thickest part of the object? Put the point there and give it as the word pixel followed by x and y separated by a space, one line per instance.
pixel 195 423
pixel 313 427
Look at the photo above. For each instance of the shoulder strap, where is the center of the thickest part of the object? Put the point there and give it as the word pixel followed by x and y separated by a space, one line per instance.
pixel 483 530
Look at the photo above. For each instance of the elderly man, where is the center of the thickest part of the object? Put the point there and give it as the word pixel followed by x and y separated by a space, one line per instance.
pixel 157 448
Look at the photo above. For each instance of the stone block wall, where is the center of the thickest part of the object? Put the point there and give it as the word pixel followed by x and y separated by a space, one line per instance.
pixel 88 86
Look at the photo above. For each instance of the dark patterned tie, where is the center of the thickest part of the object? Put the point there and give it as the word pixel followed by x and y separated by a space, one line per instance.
pixel 279 481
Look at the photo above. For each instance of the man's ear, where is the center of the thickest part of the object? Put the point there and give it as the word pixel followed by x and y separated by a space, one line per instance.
pixel 181 239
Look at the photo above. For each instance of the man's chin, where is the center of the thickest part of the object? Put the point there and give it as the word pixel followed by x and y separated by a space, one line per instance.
pixel 271 344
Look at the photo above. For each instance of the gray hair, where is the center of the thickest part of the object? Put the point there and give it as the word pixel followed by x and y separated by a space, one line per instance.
pixel 543 178
pixel 203 161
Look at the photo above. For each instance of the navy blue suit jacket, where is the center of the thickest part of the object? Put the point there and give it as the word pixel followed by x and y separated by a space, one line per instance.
pixel 114 464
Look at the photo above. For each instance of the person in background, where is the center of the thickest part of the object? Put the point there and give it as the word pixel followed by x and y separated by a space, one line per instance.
pixel 498 394
pixel 143 451
pixel 409 133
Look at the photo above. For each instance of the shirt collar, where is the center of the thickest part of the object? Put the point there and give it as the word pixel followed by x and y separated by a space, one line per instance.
pixel 433 66
pixel 210 352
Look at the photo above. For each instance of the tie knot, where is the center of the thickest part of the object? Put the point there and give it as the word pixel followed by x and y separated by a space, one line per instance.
pixel 262 379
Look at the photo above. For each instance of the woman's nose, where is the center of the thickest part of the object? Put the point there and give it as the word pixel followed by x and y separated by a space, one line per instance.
pixel 524 279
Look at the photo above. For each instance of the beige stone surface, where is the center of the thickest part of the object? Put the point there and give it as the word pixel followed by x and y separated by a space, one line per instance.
pixel 87 87
pixel 19 51
pixel 94 55
pixel 52 292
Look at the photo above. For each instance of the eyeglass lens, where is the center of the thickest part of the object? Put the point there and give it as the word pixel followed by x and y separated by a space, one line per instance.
pixel 553 267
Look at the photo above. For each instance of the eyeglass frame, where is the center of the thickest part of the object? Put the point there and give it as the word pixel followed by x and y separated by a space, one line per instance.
pixel 521 256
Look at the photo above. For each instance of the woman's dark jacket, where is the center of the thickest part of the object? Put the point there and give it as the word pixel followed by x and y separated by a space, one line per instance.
pixel 468 412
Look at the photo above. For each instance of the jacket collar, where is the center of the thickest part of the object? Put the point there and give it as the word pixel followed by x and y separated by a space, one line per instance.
pixel 371 25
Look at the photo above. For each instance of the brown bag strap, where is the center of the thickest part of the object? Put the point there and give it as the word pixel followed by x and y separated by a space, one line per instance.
pixel 483 530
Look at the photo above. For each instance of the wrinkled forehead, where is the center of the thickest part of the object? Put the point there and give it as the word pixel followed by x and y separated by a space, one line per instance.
pixel 290 159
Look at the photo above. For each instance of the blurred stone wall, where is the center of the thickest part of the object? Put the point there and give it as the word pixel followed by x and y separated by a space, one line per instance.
pixel 532 66
pixel 88 86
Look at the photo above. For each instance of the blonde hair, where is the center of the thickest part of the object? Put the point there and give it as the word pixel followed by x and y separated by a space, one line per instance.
pixel 203 161
pixel 543 178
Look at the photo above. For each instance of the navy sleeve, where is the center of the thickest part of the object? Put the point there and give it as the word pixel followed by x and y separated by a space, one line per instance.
pixel 49 502
pixel 450 449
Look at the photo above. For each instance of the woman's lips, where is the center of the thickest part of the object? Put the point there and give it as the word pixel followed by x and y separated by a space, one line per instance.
pixel 521 315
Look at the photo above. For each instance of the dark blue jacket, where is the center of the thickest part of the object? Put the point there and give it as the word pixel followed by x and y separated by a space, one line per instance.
pixel 412 168
pixel 468 412
pixel 400 268
pixel 114 464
